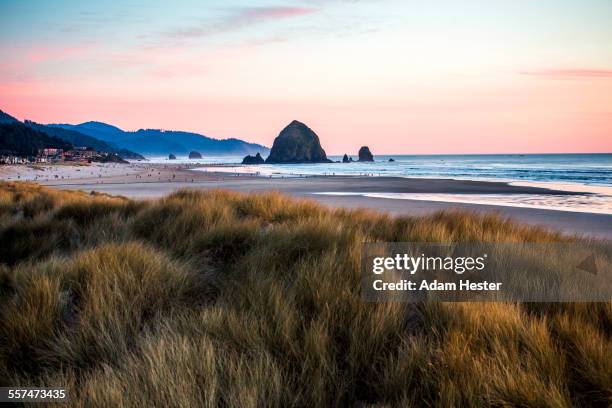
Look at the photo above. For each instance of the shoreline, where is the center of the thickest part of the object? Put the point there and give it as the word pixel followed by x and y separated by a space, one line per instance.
pixel 248 170
pixel 199 171
pixel 145 181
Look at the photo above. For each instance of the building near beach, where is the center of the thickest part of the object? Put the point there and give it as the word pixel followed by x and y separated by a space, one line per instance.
pixel 50 154
pixel 81 154
pixel 8 158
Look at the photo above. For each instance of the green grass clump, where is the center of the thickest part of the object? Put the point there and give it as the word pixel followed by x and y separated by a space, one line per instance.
pixel 219 298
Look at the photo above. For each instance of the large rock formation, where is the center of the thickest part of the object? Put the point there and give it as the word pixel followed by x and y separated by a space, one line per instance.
pixel 195 155
pixel 171 157
pixel 346 159
pixel 257 159
pixel 365 155
pixel 297 143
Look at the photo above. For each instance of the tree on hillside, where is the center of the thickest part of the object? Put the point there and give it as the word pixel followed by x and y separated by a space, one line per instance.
pixel 20 140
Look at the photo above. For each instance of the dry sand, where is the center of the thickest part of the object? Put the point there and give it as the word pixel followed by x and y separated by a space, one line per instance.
pixel 144 180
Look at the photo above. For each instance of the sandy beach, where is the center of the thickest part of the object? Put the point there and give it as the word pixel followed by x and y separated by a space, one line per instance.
pixel 146 180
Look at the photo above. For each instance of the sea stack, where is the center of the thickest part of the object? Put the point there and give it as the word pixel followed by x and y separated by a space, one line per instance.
pixel 297 143
pixel 195 155
pixel 171 157
pixel 257 159
pixel 365 155
pixel 346 159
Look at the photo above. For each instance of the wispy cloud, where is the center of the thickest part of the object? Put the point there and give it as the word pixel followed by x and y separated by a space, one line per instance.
pixel 570 73
pixel 274 12
pixel 239 18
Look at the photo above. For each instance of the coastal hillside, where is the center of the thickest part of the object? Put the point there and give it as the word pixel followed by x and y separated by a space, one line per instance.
pixel 20 140
pixel 72 137
pixel 225 299
pixel 161 142
pixel 6 118
pixel 79 139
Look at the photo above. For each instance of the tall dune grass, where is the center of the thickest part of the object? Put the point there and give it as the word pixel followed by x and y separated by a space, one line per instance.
pixel 218 298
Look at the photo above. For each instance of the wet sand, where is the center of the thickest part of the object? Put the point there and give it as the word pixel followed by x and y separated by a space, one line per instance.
pixel 143 181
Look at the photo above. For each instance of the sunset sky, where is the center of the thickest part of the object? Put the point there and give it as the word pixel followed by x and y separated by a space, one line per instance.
pixel 400 76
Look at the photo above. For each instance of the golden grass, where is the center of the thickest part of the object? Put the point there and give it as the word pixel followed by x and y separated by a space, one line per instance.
pixel 218 298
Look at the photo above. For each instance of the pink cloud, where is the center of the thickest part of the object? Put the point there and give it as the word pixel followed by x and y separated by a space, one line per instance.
pixel 570 73
pixel 42 54
pixel 29 63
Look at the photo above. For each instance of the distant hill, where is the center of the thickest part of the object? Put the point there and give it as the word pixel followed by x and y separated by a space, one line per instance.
pixel 80 139
pixel 20 140
pixel 132 145
pixel 99 130
pixel 160 142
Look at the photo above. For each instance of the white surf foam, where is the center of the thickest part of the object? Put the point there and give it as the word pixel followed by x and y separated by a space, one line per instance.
pixel 587 203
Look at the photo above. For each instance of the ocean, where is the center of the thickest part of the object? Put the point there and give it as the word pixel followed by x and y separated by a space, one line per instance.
pixel 590 174
pixel 584 169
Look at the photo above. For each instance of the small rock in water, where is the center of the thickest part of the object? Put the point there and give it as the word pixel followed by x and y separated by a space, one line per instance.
pixel 257 159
